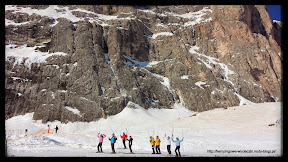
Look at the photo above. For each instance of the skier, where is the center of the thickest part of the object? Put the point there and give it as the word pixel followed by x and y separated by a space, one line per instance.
pixel 56 128
pixel 26 131
pixel 169 145
pixel 101 137
pixel 113 140
pixel 177 142
pixel 157 142
pixel 152 141
pixel 48 128
pixel 130 143
pixel 124 137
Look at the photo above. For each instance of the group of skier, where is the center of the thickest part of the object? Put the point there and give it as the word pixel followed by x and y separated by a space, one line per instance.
pixel 158 141
pixel 56 128
pixel 113 140
pixel 154 143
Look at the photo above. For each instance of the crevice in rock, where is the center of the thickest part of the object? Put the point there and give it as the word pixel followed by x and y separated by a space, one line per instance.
pixel 272 67
pixel 73 37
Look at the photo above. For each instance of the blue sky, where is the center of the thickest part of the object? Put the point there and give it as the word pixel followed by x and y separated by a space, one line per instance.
pixel 274 12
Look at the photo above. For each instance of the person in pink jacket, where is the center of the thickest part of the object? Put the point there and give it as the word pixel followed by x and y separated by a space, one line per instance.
pixel 101 137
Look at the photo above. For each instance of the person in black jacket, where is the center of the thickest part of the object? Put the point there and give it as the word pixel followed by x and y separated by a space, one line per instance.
pixel 56 128
pixel 130 143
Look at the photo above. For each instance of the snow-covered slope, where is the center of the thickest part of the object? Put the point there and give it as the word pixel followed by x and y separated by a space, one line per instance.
pixel 235 131
pixel 55 12
pixel 28 55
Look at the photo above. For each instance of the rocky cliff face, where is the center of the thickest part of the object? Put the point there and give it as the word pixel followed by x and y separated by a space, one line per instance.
pixel 81 63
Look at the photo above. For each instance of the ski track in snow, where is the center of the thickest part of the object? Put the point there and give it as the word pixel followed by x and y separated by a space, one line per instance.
pixel 236 128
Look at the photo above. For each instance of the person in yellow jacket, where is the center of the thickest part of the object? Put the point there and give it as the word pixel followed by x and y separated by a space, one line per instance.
pixel 152 141
pixel 157 142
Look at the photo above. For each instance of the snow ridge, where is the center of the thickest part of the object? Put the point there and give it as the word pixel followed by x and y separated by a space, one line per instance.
pixel 207 61
pixel 74 110
pixel 28 55
pixel 55 11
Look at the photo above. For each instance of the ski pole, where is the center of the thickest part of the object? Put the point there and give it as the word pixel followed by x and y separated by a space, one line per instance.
pixel 157 133
pixel 127 131
pixel 148 132
pixel 110 123
pixel 111 129
pixel 99 127
pixel 182 141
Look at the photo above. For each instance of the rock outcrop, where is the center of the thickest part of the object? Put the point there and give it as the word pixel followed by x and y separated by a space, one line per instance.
pixel 95 59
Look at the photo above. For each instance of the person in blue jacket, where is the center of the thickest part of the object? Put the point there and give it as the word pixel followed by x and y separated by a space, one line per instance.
pixel 177 142
pixel 113 140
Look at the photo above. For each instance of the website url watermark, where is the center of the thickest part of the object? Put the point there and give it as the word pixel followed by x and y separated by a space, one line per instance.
pixel 241 151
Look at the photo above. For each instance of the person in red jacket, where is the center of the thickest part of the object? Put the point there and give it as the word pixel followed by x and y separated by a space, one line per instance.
pixel 124 136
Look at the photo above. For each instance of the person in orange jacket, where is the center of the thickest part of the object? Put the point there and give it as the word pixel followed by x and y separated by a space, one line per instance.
pixel 124 136
pixel 48 128
pixel 157 142
pixel 152 141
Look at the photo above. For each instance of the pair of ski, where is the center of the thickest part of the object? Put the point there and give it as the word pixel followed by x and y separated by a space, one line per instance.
pixel 171 155
pixel 115 152
pixel 106 153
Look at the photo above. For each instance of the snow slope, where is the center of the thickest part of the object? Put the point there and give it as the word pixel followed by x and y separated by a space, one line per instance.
pixel 55 11
pixel 236 131
pixel 28 55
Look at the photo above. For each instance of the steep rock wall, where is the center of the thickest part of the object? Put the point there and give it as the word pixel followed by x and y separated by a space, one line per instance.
pixel 97 58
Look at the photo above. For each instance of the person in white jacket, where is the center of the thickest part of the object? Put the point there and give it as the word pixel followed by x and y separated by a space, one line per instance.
pixel 169 145
pixel 177 142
